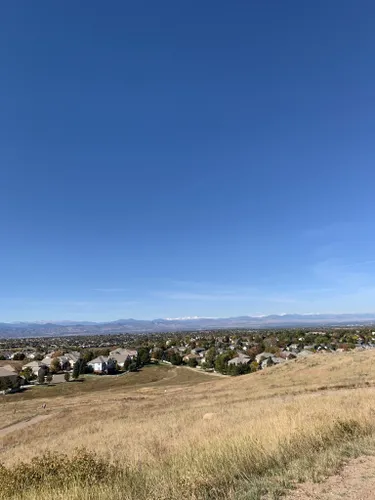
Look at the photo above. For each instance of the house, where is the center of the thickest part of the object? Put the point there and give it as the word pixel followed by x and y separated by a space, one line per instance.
pixel 47 361
pixel 287 355
pixel 241 359
pixel 10 368
pixel 262 356
pixel 197 350
pixel 277 360
pixel 190 356
pixel 99 364
pixel 266 363
pixel 121 355
pixel 70 357
pixel 34 365
pixel 304 353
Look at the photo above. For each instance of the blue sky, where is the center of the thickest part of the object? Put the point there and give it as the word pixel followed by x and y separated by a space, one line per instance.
pixel 168 159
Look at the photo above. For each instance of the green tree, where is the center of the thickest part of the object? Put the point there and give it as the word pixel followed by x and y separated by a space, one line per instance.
pixel 175 358
pixel 143 356
pixel 111 367
pixel 55 365
pixel 221 363
pixel 87 356
pixel 28 374
pixel 254 366
pixel 192 362
pixel 210 357
pixel 127 363
pixel 19 356
pixel 42 373
pixel 5 383
pixel 67 376
pixel 76 369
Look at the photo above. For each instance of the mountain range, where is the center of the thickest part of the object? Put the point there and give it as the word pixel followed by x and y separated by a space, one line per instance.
pixel 134 326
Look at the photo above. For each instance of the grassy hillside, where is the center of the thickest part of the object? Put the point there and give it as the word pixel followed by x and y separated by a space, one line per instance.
pixel 172 433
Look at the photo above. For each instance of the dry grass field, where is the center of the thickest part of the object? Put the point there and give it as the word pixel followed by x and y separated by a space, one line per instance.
pixel 173 433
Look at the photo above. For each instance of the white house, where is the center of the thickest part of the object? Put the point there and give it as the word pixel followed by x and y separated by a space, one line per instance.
pixel 99 364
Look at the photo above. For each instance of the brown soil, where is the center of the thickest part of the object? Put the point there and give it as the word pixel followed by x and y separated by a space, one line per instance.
pixel 22 425
pixel 356 481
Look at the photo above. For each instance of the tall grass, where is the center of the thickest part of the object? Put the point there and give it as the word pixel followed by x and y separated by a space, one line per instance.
pixel 263 435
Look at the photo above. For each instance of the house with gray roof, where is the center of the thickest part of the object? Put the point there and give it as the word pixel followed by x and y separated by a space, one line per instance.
pixel 241 359
pixel 99 364
pixel 121 355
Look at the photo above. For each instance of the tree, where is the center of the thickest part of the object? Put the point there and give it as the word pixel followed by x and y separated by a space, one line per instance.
pixel 76 370
pixel 221 363
pixel 127 363
pixel 175 358
pixel 42 373
pixel 133 367
pixel 111 366
pixel 19 356
pixel 5 383
pixel 67 376
pixel 210 357
pixel 193 362
pixel 28 374
pixel 254 366
pixel 10 383
pixel 143 356
pixel 87 356
pixel 55 365
pixel 82 366
pixel 157 353
pixel 49 378
pixel 57 354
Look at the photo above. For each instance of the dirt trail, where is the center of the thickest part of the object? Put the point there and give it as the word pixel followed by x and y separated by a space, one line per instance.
pixel 356 481
pixel 22 425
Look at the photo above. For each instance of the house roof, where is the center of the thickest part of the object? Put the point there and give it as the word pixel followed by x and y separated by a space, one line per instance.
pixel 7 373
pixel 239 360
pixel 10 368
pixel 99 359
pixel 72 356
pixel 33 364
pixel 123 352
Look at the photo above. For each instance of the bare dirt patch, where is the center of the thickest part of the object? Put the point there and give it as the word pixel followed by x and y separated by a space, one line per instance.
pixel 22 425
pixel 356 481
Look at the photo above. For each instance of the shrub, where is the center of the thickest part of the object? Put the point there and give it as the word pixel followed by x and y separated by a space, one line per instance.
pixel 193 362
pixel 82 469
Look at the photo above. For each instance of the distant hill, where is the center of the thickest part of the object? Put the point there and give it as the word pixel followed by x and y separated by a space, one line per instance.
pixel 68 327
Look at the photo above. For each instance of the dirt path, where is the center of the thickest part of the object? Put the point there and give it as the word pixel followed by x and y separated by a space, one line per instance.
pixel 22 425
pixel 356 481
pixel 210 374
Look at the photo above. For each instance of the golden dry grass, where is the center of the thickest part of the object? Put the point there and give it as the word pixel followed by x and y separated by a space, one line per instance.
pixel 266 430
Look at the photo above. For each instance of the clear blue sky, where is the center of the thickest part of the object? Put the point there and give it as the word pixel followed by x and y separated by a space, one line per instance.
pixel 167 159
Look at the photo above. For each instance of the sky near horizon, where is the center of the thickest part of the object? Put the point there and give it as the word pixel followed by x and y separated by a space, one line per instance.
pixel 168 159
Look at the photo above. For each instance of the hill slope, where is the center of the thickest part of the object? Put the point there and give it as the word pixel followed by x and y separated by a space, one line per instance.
pixel 196 438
